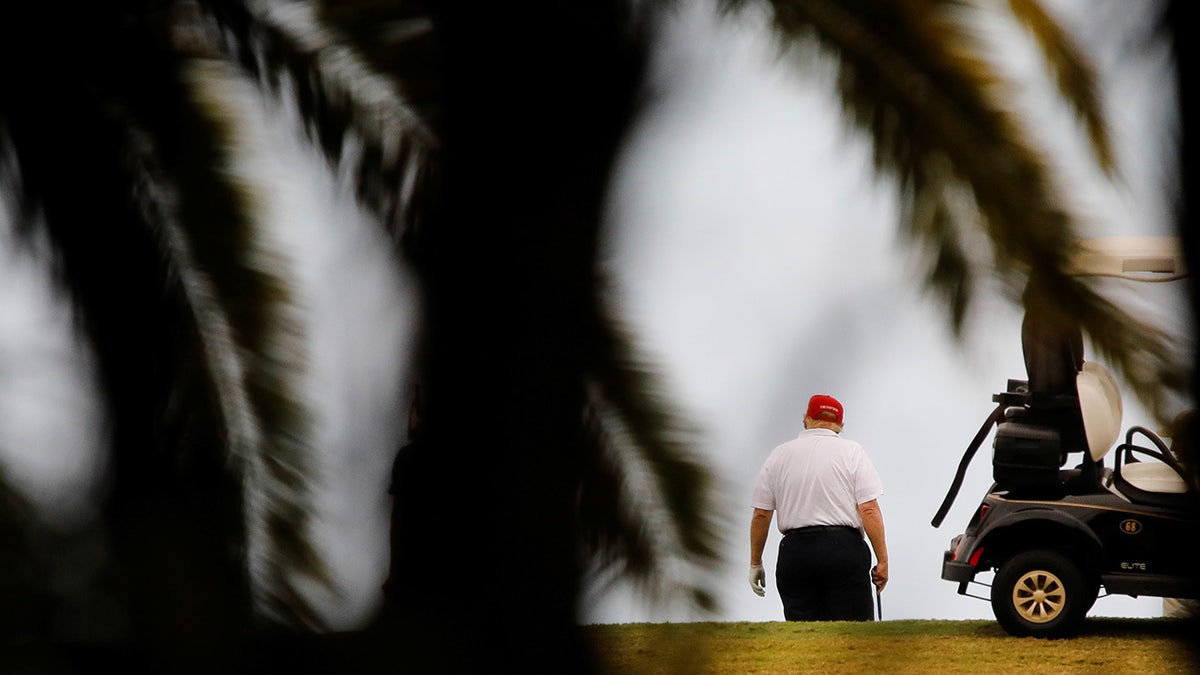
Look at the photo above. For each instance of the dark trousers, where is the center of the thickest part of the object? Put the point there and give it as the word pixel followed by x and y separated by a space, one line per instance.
pixel 824 574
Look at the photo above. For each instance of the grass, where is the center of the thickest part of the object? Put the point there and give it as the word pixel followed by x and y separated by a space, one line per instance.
pixel 1102 646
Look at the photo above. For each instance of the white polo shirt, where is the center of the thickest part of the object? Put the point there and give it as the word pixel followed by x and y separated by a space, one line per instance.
pixel 818 478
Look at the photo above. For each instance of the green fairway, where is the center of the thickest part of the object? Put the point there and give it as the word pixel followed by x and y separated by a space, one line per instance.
pixel 1102 646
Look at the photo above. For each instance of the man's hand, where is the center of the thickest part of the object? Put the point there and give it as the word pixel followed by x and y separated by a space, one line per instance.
pixel 879 575
pixel 758 580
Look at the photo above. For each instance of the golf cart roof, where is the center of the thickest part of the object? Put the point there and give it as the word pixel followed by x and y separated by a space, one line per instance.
pixel 1136 258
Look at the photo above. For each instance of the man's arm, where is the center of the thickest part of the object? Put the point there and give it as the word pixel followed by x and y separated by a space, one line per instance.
pixel 872 520
pixel 760 525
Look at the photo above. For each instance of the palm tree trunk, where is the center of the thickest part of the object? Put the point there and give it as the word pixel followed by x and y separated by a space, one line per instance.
pixel 537 97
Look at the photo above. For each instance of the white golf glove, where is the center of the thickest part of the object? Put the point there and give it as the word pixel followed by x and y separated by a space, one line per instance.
pixel 758 580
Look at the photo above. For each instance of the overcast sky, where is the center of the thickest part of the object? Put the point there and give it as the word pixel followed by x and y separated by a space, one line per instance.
pixel 757 258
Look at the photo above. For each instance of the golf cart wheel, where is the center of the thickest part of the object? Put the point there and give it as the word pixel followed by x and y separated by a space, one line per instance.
pixel 1040 594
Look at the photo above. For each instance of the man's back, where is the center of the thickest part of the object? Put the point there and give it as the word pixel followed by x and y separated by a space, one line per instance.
pixel 817 478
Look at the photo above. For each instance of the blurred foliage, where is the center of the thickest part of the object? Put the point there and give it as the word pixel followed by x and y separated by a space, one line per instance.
pixel 482 136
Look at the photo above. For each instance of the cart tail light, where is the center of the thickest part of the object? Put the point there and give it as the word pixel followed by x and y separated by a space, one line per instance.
pixel 980 514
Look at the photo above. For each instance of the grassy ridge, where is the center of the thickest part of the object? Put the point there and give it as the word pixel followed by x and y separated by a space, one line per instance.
pixel 1102 646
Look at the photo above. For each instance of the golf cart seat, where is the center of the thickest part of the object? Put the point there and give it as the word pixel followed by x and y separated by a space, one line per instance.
pixel 1152 477
pixel 1150 483
pixel 1100 407
pixel 1158 482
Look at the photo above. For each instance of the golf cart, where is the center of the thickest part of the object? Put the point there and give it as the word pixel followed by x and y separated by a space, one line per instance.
pixel 1054 536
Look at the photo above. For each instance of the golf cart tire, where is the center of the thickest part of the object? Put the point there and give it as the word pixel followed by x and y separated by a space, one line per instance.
pixel 1040 593
pixel 1092 593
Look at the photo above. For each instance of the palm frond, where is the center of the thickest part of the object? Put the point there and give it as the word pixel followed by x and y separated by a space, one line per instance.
pixel 245 315
pixel 646 499
pixel 342 99
pixel 74 120
pixel 1072 72
pixel 1150 361
pixel 187 325
pixel 396 38
pixel 915 80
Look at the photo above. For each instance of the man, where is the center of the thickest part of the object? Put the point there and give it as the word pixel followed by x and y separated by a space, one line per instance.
pixel 825 489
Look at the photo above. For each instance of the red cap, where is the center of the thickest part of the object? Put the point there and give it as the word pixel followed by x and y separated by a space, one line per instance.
pixel 824 408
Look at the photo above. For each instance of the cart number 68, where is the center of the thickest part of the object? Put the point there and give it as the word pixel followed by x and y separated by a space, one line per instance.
pixel 1130 526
